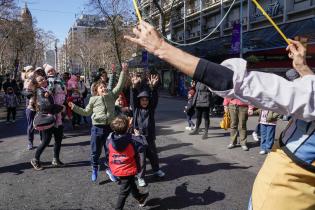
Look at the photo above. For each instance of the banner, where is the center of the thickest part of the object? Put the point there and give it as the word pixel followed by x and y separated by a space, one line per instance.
pixel 236 35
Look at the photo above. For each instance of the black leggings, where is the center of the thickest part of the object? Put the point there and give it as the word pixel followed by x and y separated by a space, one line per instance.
pixel 203 111
pixel 46 138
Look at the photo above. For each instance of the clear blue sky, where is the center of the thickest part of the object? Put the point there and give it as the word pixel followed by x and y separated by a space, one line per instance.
pixel 55 15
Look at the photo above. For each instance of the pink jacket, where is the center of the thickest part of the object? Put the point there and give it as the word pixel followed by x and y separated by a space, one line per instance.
pixel 235 101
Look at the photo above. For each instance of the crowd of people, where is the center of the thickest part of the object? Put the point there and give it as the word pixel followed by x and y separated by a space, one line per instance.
pixel 123 118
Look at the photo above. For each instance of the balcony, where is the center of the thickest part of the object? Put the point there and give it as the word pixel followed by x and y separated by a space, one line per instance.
pixel 191 11
pixel 210 3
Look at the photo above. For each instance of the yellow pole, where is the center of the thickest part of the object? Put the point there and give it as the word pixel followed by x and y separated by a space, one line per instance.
pixel 271 21
pixel 137 9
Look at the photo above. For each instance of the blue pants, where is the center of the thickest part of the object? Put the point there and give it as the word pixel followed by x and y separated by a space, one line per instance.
pixel 267 136
pixel 30 114
pixel 99 134
pixel 257 129
pixel 190 122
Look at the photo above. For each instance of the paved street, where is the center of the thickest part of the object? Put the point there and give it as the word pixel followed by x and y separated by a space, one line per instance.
pixel 200 174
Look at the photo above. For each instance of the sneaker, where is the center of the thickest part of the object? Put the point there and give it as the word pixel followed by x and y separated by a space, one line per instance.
pixel 255 136
pixel 204 136
pixel 230 146
pixel 111 176
pixel 188 128
pixel 141 182
pixel 263 152
pixel 36 164
pixel 244 148
pixel 30 146
pixel 195 132
pixel 159 173
pixel 57 163
pixel 143 199
pixel 94 174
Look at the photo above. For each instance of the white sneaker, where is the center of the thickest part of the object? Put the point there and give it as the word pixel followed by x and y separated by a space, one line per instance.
pixel 262 152
pixel 244 148
pixel 255 136
pixel 141 182
pixel 159 173
pixel 188 128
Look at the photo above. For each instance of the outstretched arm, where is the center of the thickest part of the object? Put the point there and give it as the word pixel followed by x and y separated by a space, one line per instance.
pixel 218 77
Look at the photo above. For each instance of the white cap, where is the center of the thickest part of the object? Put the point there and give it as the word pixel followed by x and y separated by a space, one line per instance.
pixel 28 68
pixel 47 67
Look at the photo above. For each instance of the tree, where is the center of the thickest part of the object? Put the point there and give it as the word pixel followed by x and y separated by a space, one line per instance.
pixel 119 19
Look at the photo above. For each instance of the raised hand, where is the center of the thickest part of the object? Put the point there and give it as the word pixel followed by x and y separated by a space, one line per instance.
pixel 153 80
pixel 124 67
pixel 147 37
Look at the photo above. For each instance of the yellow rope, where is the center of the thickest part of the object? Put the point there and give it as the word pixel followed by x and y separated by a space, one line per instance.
pixel 271 21
pixel 137 10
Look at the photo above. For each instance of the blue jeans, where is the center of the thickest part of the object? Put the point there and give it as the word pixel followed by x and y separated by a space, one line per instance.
pixel 99 134
pixel 257 129
pixel 190 122
pixel 267 136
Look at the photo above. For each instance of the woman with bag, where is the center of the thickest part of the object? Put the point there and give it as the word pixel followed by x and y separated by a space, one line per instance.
pixel 45 121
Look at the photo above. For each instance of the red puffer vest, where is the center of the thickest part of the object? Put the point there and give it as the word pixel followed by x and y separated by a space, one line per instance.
pixel 122 163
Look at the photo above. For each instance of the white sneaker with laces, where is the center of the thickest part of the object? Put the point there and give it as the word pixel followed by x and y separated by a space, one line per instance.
pixel 141 182
pixel 255 136
pixel 188 128
pixel 159 173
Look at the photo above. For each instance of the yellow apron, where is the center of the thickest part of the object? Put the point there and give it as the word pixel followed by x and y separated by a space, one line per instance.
pixel 283 185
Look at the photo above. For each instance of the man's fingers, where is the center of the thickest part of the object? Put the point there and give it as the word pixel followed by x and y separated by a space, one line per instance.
pixel 146 25
pixel 132 39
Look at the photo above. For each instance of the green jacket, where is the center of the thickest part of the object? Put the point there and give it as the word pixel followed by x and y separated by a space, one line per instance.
pixel 271 116
pixel 102 108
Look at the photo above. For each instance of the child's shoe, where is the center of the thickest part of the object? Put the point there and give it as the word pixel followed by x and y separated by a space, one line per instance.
pixel 188 128
pixel 36 164
pixel 159 173
pixel 141 182
pixel 30 146
pixel 94 174
pixel 111 176
pixel 255 136
pixel 263 152
pixel 143 199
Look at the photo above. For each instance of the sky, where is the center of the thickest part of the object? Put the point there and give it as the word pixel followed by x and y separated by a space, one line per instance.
pixel 55 15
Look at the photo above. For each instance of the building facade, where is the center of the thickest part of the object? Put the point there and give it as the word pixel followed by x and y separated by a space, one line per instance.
pixel 189 21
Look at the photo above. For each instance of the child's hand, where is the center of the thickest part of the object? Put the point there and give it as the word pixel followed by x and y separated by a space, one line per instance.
pixel 124 67
pixel 71 105
pixel 137 132
pixel 46 94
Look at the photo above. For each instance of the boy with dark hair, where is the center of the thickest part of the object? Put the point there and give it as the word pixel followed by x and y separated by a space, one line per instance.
pixel 123 148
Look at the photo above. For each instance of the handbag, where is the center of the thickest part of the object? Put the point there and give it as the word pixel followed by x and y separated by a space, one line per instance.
pixel 43 121
pixel 226 121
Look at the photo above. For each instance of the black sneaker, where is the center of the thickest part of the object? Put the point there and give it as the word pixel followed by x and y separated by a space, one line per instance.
pixel 143 199
pixel 36 164
pixel 57 163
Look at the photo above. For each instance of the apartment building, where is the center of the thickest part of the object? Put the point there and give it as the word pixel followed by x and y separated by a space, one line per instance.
pixel 189 21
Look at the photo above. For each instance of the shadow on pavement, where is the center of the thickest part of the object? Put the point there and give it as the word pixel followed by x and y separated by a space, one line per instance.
pixel 189 167
pixel 174 146
pixel 183 198
pixel 163 130
pixel 81 143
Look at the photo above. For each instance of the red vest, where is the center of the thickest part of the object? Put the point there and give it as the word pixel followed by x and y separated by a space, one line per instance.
pixel 122 163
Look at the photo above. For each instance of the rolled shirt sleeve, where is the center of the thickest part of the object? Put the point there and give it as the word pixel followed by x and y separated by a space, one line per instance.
pixel 265 90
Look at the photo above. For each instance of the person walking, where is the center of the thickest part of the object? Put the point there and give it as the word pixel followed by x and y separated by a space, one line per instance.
pixel 10 102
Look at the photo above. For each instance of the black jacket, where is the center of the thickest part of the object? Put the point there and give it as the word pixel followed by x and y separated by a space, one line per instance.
pixel 46 105
pixel 190 108
pixel 143 119
pixel 202 97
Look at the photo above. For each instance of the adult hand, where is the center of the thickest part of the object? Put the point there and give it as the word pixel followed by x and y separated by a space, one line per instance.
pixel 226 109
pixel 147 37
pixel 137 132
pixel 297 52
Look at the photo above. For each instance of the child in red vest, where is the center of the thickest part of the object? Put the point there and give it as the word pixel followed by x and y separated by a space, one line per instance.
pixel 123 148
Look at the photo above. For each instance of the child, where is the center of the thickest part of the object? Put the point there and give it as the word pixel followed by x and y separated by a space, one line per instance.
pixel 190 110
pixel 11 102
pixel 145 102
pixel 102 108
pixel 267 121
pixel 123 148
pixel 76 99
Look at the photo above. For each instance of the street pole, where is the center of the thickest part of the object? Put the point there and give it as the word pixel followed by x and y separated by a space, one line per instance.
pixel 241 28
pixel 56 54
